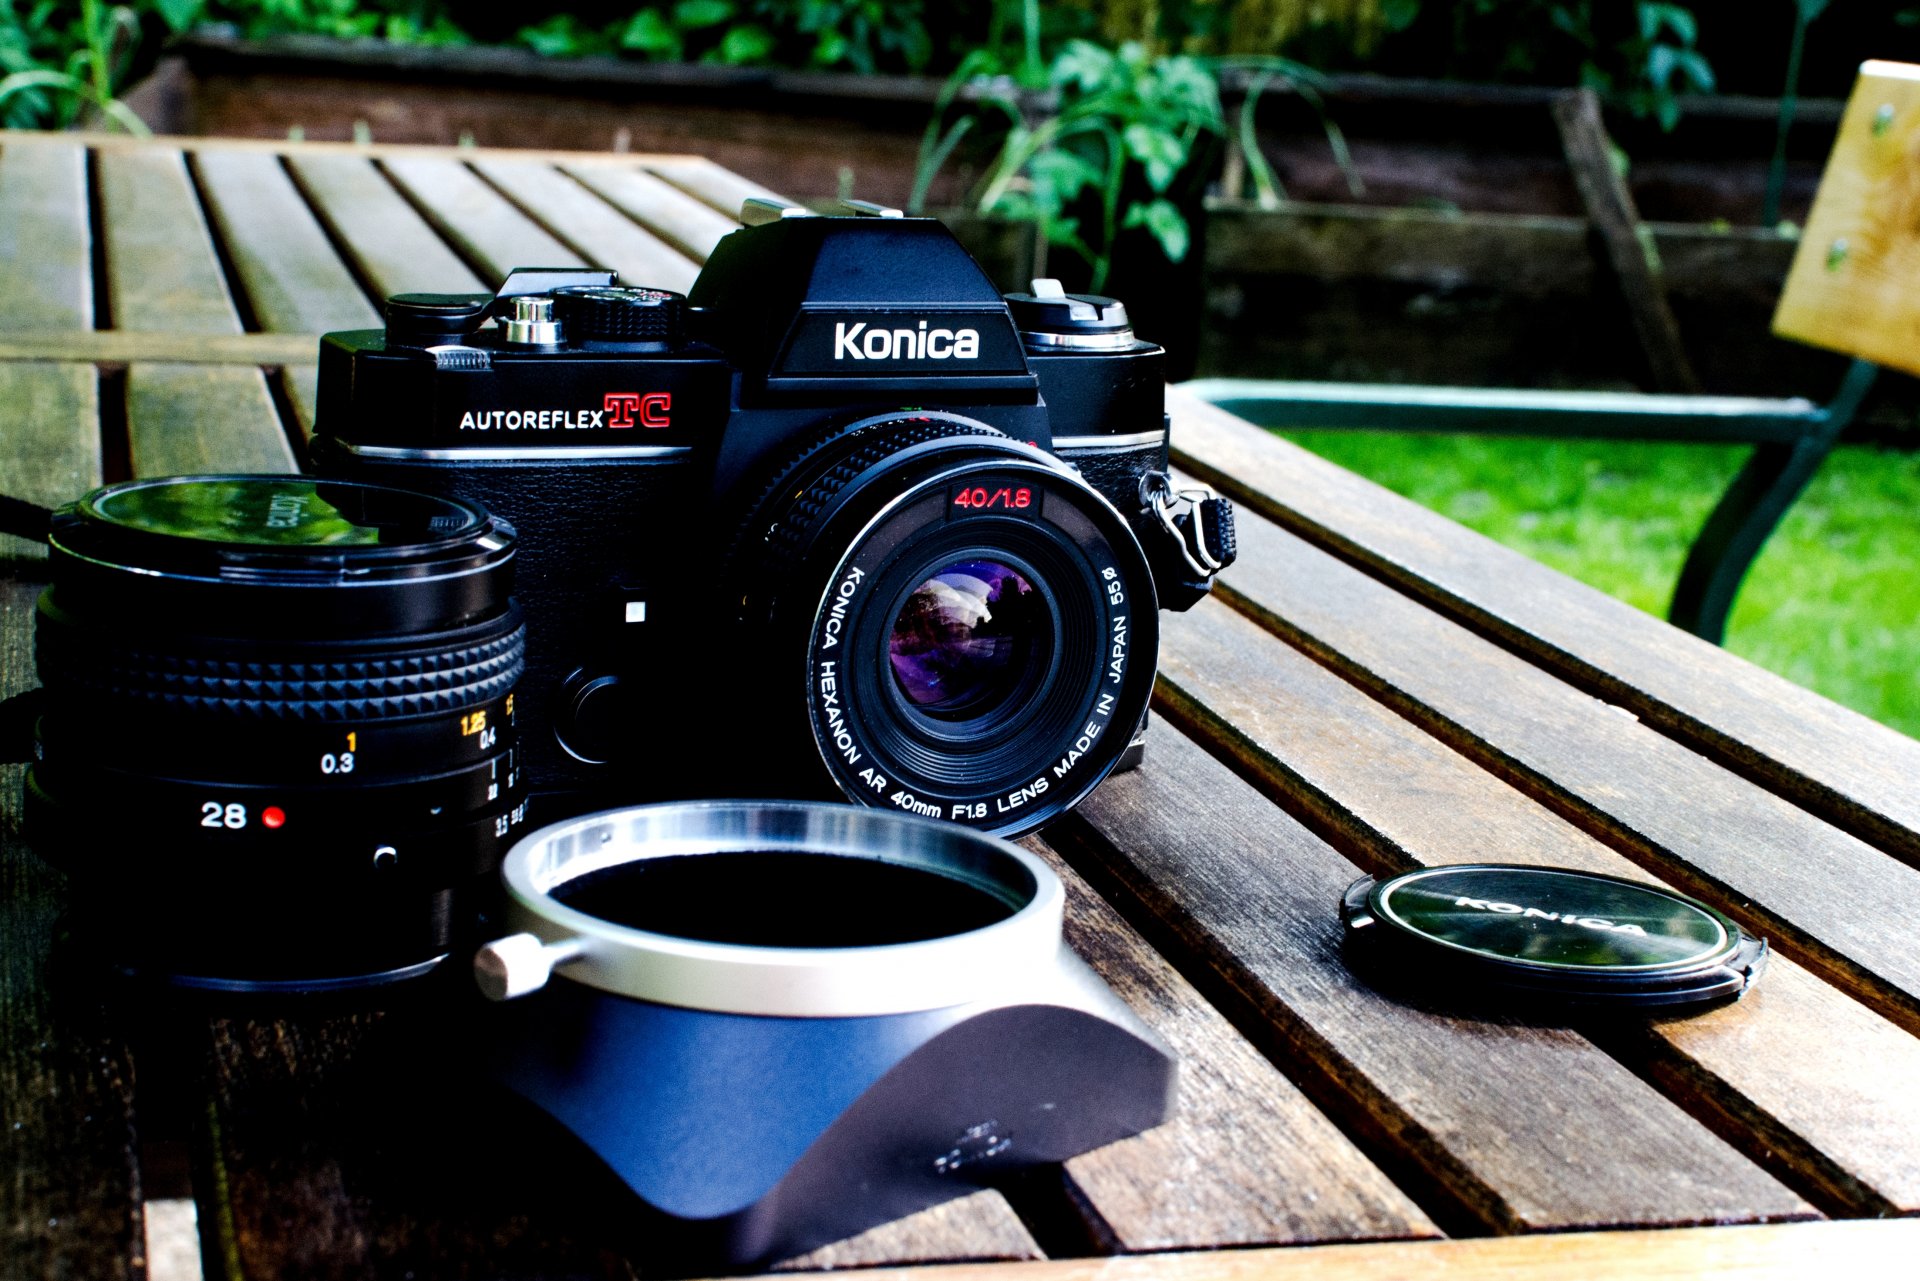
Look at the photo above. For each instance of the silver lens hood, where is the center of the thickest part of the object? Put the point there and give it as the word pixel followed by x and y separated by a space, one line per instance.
pixel 816 982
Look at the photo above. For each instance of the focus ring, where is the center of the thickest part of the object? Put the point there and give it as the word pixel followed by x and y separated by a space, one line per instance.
pixel 447 679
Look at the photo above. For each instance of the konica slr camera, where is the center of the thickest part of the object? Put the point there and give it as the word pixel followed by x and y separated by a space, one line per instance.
pixel 844 517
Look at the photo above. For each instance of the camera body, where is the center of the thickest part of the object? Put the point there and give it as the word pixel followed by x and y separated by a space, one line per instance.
pixel 843 516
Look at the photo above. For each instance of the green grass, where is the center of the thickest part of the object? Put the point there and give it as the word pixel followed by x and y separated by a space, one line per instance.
pixel 1833 602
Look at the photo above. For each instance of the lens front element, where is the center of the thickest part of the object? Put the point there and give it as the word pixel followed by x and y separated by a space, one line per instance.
pixel 968 639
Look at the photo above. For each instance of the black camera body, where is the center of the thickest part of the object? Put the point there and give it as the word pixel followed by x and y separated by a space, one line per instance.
pixel 843 517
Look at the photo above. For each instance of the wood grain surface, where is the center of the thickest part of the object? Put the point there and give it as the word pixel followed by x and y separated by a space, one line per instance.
pixel 1828 898
pixel 1247 1159
pixel 1624 242
pixel 720 188
pixel 1849 1139
pixel 1246 901
pixel 1855 772
pixel 1850 287
pixel 1774 1252
pixel 590 226
pixel 684 222
pixel 389 244
pixel 46 249
pixel 50 446
pixel 489 230
pixel 70 1201
pixel 294 279
pixel 164 274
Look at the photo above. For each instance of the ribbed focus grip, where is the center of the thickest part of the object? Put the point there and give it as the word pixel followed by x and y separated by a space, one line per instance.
pixel 621 313
pixel 424 675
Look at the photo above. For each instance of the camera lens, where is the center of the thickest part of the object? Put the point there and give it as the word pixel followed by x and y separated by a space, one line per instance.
pixel 277 747
pixel 969 639
pixel 979 624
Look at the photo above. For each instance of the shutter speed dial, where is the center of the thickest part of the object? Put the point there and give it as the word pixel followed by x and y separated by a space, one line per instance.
pixel 622 315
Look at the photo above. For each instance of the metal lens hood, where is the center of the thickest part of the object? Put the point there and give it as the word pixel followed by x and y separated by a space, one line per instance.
pixel 837 1016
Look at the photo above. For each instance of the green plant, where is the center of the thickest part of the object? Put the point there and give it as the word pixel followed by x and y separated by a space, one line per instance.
pixel 1641 56
pixel 1104 113
pixel 1093 140
pixel 56 70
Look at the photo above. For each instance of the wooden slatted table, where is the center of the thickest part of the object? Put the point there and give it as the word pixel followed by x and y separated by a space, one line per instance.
pixel 1372 688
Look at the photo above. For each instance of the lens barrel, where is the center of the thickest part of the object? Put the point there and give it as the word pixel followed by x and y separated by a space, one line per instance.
pixel 978 624
pixel 278 750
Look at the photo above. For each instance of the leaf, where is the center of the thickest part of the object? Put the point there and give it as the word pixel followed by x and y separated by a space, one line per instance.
pixel 692 15
pixel 1167 225
pixel 178 14
pixel 1673 17
pixel 1698 70
pixel 1059 176
pixel 829 49
pixel 650 34
pixel 1160 153
pixel 1398 15
pixel 1082 64
pixel 1661 61
pixel 742 45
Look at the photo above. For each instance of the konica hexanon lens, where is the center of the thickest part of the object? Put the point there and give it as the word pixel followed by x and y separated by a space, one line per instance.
pixel 978 624
pixel 277 744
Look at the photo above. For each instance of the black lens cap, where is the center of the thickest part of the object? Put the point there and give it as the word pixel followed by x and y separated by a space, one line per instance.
pixel 1499 935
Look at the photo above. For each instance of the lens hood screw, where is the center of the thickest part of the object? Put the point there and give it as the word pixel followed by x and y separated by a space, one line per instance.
pixel 520 963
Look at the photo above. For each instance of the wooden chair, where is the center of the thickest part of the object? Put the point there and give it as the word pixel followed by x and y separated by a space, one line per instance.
pixel 1854 287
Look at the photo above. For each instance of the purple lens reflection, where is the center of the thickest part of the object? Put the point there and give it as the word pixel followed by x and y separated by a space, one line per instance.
pixel 967 637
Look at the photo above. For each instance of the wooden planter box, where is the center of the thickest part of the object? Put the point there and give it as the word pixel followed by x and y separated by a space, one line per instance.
pixel 1466 260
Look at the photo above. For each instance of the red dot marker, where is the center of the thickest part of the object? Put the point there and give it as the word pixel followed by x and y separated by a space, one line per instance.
pixel 273 816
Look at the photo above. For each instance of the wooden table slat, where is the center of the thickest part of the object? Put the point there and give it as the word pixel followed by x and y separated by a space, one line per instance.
pixel 70 1204
pixel 1230 1166
pixel 183 419
pixel 1833 900
pixel 46 246
pixel 684 222
pixel 973 1228
pixel 388 242
pixel 590 226
pixel 50 447
pixel 163 274
pixel 1849 1138
pixel 1250 898
pixel 294 279
pixel 487 227
pixel 720 188
pixel 1769 1252
pixel 1855 772
pixel 162 271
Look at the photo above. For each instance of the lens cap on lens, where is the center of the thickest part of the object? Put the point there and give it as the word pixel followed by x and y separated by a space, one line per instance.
pixel 1522 936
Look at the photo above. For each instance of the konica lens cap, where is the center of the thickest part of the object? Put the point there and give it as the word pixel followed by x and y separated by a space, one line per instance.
pixel 1498 934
